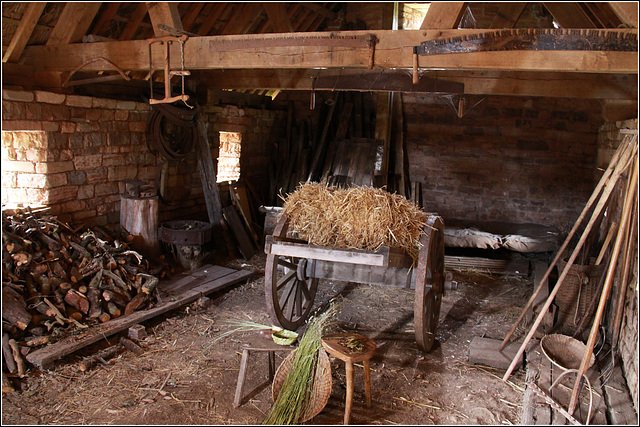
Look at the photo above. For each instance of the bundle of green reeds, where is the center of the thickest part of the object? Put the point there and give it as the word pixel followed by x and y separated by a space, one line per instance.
pixel 355 218
pixel 296 394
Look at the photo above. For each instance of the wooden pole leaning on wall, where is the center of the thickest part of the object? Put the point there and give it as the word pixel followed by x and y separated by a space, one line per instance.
pixel 622 164
pixel 624 225
pixel 601 184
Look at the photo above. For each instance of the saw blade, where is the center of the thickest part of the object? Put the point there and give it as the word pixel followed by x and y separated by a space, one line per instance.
pixel 533 39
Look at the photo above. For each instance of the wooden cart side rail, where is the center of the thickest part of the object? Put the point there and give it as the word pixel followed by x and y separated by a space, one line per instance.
pixel 383 257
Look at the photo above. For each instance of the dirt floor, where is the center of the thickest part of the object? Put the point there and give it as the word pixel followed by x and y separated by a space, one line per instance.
pixel 185 377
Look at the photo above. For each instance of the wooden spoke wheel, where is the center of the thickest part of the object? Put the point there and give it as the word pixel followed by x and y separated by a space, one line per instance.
pixel 429 286
pixel 289 293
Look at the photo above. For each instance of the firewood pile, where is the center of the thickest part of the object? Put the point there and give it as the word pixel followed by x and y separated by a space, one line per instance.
pixel 57 280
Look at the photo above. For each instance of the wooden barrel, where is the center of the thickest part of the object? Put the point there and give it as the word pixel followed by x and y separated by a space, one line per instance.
pixel 139 217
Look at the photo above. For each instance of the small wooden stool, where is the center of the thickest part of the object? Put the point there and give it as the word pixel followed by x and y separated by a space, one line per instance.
pixel 337 345
pixel 261 342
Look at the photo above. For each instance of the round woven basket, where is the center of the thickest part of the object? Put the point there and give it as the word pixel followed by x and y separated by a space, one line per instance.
pixel 564 351
pixel 284 337
pixel 322 386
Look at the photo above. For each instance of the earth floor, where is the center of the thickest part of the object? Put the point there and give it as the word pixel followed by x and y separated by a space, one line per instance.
pixel 186 376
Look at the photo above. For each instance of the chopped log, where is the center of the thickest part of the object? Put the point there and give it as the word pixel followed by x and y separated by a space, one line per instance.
pixel 7 386
pixel 104 317
pixel 110 295
pixel 113 310
pixel 37 341
pixel 89 362
pixel 74 314
pixel 17 356
pixel 8 355
pixel 135 303
pixel 14 309
pixel 131 346
pixel 117 280
pixel 149 284
pixel 21 258
pixel 49 242
pixel 77 300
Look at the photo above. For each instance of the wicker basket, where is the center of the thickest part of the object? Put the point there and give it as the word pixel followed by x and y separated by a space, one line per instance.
pixel 321 388
pixel 564 351
pixel 284 337
pixel 576 293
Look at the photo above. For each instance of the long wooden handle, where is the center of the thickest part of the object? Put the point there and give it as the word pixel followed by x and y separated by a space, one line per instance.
pixel 622 165
pixel 415 68
pixel 624 224
pixel 603 181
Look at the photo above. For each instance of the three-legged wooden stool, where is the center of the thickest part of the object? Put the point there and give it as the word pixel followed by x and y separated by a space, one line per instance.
pixel 260 343
pixel 352 348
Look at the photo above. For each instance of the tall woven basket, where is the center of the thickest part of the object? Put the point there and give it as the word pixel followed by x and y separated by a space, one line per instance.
pixel 576 293
pixel 322 385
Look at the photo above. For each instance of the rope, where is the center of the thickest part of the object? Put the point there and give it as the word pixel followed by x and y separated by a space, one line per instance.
pixel 170 147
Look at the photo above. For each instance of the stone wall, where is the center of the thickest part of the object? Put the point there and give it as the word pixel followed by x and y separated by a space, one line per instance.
pixel 512 159
pixel 73 153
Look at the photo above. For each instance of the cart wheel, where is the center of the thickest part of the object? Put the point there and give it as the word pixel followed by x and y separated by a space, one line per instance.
pixel 429 284
pixel 290 295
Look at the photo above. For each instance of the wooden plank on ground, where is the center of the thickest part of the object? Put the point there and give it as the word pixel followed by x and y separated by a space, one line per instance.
pixel 619 403
pixel 44 358
pixel 486 351
pixel 493 266
pixel 533 411
pixel 244 242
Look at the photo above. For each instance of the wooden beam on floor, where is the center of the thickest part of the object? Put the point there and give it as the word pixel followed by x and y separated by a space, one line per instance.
pixel 199 285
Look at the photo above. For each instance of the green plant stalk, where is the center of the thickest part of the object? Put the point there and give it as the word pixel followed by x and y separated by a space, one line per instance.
pixel 297 388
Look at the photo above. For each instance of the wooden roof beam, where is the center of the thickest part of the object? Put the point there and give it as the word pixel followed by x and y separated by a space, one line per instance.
pixel 627 11
pixel 105 18
pixel 164 13
pixel 211 19
pixel 508 15
pixel 134 22
pixel 320 10
pixel 278 17
pixel 24 31
pixel 445 15
pixel 73 23
pixel 192 14
pixel 393 50
pixel 569 15
pixel 556 85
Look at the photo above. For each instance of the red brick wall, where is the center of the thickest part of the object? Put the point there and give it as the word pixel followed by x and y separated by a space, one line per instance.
pixel 507 159
pixel 73 153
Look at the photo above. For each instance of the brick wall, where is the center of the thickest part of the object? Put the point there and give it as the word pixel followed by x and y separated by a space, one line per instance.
pixel 73 153
pixel 524 160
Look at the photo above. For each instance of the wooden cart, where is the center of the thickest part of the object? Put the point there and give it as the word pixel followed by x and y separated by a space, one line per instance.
pixel 293 269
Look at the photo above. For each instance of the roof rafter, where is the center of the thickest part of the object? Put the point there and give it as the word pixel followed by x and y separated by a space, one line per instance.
pixel 24 31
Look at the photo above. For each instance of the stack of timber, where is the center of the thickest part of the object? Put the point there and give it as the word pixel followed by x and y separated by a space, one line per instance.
pixel 56 281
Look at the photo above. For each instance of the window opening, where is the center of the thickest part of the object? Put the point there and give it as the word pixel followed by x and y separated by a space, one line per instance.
pixel 229 156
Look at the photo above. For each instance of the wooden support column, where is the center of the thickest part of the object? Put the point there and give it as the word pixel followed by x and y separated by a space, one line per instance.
pixel 24 31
